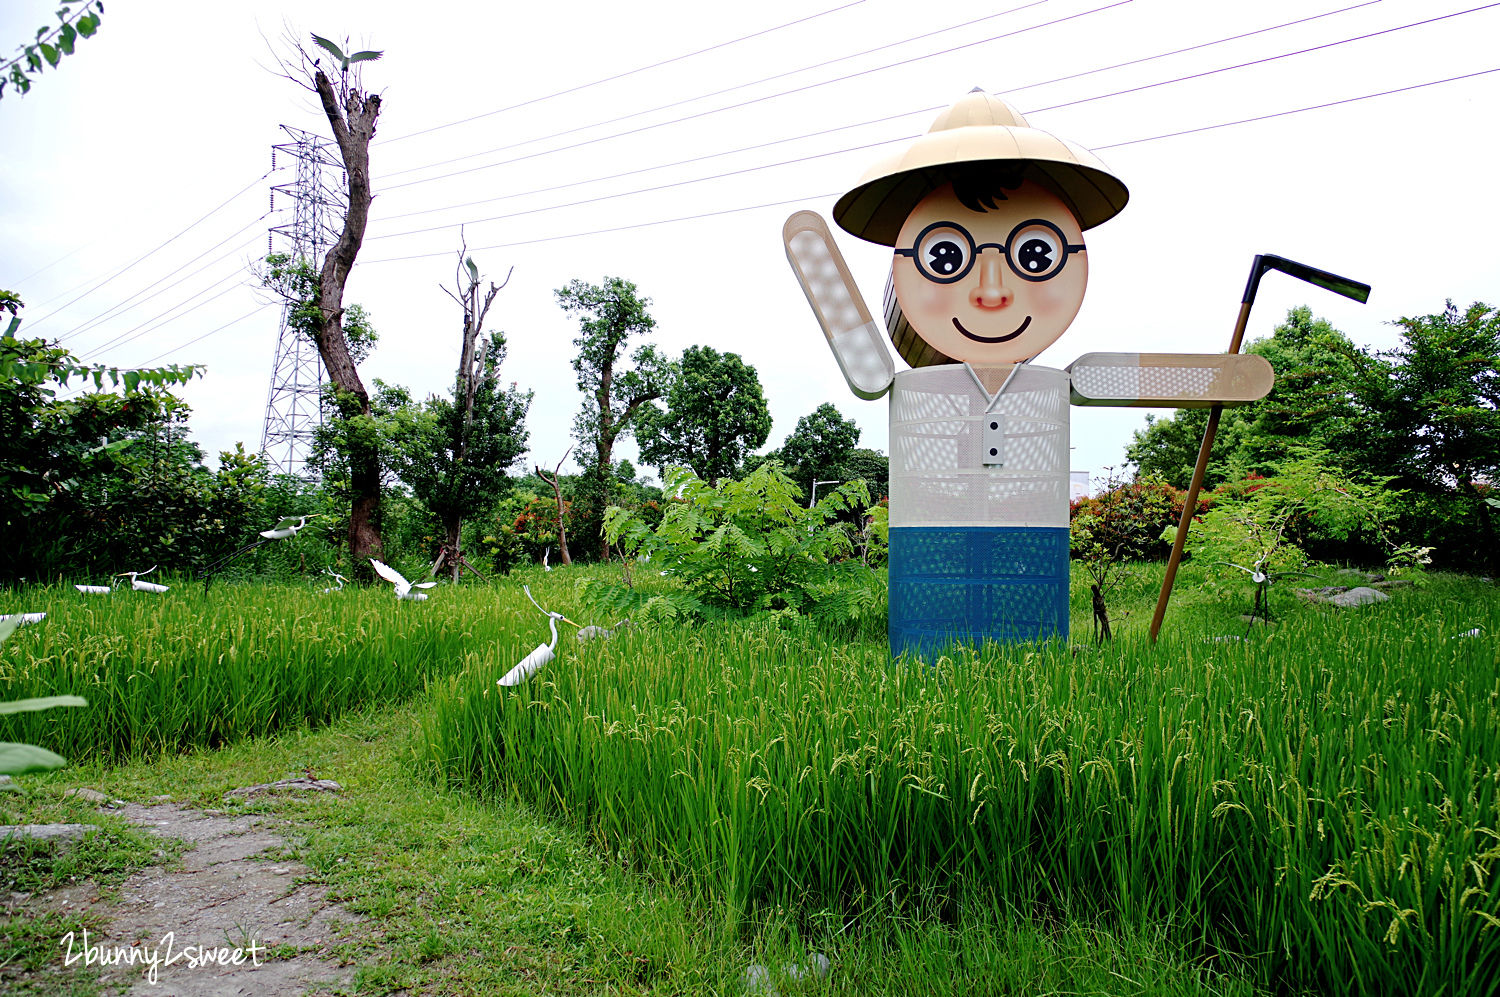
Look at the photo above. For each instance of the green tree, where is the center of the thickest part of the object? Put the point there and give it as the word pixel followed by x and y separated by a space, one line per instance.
pixel 1312 403
pixel 456 458
pixel 1431 417
pixel 615 388
pixel 609 316
pixel 76 19
pixel 70 467
pixel 715 414
pixel 820 448
pixel 870 466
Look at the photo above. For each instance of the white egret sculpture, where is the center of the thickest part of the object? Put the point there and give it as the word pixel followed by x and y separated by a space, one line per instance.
pixel 587 634
pixel 94 589
pixel 545 554
pixel 338 579
pixel 140 586
pixel 543 653
pixel 1263 579
pixel 403 587
pixel 23 619
pixel 287 526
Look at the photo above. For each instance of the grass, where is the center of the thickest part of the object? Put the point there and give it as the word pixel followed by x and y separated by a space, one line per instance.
pixel 460 896
pixel 485 894
pixel 1315 805
pixel 184 669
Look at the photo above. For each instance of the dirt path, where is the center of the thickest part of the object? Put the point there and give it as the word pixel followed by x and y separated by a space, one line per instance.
pixel 223 896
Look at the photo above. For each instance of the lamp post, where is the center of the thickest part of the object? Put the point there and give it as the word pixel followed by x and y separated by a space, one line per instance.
pixel 813 499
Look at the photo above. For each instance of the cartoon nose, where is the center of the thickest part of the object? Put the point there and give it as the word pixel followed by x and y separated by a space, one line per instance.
pixel 991 291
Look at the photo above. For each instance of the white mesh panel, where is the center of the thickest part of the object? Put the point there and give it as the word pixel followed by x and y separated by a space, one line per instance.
pixel 938 477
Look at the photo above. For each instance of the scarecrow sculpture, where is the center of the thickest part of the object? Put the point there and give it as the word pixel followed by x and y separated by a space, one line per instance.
pixel 985 216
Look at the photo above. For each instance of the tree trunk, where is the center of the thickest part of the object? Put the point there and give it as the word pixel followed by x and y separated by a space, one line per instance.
pixel 353 127
pixel 1101 614
pixel 562 529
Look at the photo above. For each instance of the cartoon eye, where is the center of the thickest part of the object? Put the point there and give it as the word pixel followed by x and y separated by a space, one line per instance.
pixel 944 252
pixel 1036 251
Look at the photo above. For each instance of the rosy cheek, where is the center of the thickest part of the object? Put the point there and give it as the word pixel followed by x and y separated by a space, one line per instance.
pixel 932 307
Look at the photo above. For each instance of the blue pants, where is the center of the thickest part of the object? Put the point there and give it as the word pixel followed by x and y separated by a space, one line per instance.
pixel 976 583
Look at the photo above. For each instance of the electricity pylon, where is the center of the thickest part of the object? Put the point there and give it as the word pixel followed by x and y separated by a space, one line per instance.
pixel 293 404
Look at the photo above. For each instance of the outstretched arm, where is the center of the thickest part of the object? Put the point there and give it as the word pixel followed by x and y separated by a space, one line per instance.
pixel 855 339
pixel 1170 380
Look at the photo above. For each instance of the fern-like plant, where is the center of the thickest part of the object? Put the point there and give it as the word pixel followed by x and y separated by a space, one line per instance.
pixel 746 546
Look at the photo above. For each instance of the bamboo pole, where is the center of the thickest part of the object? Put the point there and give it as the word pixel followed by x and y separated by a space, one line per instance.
pixel 1191 502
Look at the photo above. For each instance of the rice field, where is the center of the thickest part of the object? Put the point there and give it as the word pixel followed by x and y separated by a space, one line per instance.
pixel 183 669
pixel 1317 806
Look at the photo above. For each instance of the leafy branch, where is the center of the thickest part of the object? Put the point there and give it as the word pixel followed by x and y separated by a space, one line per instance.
pixel 51 43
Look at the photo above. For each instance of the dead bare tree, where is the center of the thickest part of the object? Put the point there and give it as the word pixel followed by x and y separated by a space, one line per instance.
pixel 471 375
pixel 562 529
pixel 352 113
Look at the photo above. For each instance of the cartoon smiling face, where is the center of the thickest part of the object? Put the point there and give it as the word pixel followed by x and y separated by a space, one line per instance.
pixel 990 275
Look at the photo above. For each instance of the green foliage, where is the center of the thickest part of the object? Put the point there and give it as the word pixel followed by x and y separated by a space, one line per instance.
pixel 89 481
pixel 1425 415
pixel 1313 806
pixel 18 758
pixel 77 19
pixel 1257 527
pixel 296 281
pixel 749 546
pixel 715 415
pixel 819 448
pixel 1310 404
pixel 455 469
pixel 609 316
pixel 1123 524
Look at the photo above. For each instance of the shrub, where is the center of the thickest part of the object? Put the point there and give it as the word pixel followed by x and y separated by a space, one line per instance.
pixel 748 546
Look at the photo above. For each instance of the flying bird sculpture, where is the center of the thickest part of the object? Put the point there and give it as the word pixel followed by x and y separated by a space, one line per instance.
pixel 287 527
pixel 338 53
pixel 403 587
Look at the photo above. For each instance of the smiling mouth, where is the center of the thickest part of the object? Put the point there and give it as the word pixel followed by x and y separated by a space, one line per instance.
pixel 992 339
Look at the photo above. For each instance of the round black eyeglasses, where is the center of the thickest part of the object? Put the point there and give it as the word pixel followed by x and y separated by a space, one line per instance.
pixel 945 251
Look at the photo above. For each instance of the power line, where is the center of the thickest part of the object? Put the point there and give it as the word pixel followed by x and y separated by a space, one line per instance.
pixel 119 309
pixel 807 158
pixel 1269 58
pixel 811 197
pixel 149 253
pixel 122 337
pixel 880 120
pixel 631 72
pixel 222 280
pixel 196 339
pixel 49 266
pixel 1193 48
pixel 648 190
pixel 1297 110
pixel 717 110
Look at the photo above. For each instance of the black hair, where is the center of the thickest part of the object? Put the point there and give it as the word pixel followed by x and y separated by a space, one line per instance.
pixel 980 186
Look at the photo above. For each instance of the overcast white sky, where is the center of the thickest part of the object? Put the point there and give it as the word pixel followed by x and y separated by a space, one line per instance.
pixel 172 109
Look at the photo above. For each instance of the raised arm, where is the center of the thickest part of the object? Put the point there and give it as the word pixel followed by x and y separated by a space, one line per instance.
pixel 856 341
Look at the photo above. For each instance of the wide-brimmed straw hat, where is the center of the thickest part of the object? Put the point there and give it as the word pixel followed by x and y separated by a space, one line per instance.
pixel 978 129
